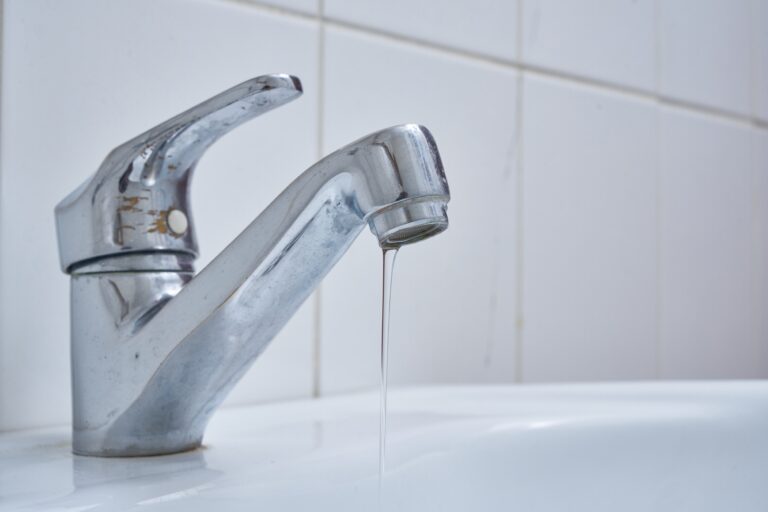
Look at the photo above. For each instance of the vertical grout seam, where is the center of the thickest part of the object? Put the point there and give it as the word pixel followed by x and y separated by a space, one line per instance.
pixel 657 41
pixel 754 168
pixel 659 348
pixel 754 176
pixel 524 69
pixel 2 309
pixel 753 60
pixel 479 57
pixel 519 318
pixel 317 312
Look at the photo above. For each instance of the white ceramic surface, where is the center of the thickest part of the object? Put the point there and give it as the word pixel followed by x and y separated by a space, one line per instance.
pixel 484 27
pixel 760 59
pixel 607 41
pixel 628 447
pixel 760 152
pixel 710 259
pixel 310 7
pixel 705 54
pixel 589 234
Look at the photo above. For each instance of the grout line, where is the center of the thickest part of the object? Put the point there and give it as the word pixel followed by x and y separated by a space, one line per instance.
pixel 519 196
pixel 275 9
pixel 753 60
pixel 754 216
pixel 659 348
pixel 3 386
pixel 520 237
pixel 658 55
pixel 696 108
pixel 321 80
pixel 609 87
pixel 516 64
pixel 657 42
pixel 758 265
pixel 317 325
pixel 422 43
pixel 317 335
pixel 523 68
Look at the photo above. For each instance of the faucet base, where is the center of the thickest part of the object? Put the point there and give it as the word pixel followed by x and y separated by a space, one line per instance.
pixel 86 444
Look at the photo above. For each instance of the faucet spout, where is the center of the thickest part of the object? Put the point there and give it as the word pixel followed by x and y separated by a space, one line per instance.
pixel 177 343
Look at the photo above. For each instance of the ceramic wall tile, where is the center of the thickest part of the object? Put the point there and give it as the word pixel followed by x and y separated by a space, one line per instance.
pixel 705 53
pixel 311 7
pixel 485 27
pixel 711 312
pixel 589 234
pixel 611 41
pixel 760 196
pixel 760 59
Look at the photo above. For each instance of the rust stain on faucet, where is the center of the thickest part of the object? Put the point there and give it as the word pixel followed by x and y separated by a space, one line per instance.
pixel 130 203
pixel 160 223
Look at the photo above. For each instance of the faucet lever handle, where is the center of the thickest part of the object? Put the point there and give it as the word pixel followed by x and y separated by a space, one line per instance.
pixel 138 200
pixel 171 149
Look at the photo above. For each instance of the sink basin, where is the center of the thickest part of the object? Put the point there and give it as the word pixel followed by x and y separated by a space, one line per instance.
pixel 589 447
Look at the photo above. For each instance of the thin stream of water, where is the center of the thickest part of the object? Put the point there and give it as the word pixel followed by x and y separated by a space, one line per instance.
pixel 386 297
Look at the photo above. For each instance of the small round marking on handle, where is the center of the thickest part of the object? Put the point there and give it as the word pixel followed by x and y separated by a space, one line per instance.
pixel 177 222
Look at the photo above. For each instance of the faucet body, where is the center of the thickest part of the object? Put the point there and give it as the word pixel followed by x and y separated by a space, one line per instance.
pixel 156 348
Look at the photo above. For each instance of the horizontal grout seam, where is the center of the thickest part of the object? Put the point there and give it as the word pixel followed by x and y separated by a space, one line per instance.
pixel 275 9
pixel 510 64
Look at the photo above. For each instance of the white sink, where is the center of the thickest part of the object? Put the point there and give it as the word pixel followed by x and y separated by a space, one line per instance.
pixel 612 447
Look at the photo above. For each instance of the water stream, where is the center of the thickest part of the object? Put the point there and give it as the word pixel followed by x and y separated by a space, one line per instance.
pixel 386 297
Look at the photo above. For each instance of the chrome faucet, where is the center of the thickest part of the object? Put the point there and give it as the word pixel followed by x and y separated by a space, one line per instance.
pixel 156 348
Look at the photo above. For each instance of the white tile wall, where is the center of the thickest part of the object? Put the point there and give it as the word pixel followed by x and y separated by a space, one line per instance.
pixel 759 33
pixel 705 53
pixel 487 27
pixel 609 40
pixel 760 196
pixel 451 316
pixel 311 7
pixel 631 242
pixel 589 234
pixel 710 188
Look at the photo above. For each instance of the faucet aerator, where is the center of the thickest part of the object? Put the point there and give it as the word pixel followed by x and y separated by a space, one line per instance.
pixel 408 223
